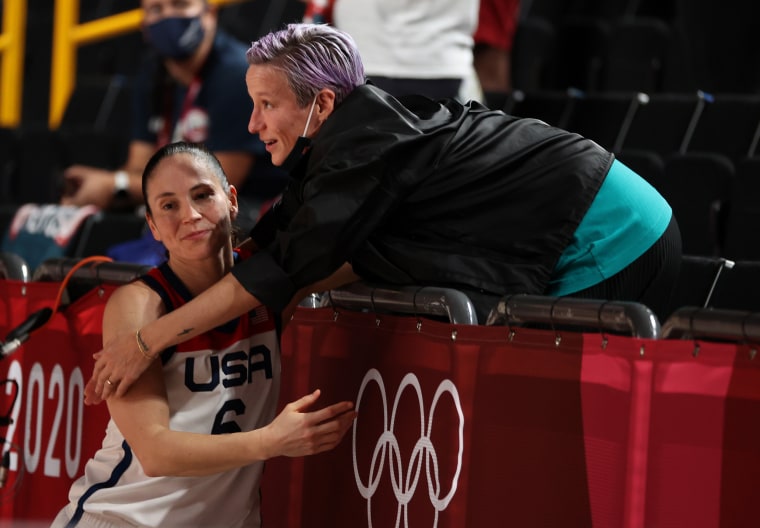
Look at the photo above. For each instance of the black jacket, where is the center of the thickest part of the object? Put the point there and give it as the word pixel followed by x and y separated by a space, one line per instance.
pixel 413 191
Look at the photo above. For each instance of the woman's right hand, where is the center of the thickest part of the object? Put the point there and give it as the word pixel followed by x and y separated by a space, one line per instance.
pixel 295 432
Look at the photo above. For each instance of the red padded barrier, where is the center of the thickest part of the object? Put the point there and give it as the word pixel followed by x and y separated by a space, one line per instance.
pixel 52 433
pixel 458 425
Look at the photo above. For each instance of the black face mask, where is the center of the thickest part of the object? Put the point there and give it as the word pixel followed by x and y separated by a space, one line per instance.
pixel 302 144
pixel 176 37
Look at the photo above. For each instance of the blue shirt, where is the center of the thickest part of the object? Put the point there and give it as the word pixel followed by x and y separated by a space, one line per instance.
pixel 220 112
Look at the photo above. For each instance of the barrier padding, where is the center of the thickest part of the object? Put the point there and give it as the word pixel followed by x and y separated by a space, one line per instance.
pixel 457 426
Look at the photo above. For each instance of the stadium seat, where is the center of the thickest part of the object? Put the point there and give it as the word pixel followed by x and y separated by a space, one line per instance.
pixel 739 288
pixel 665 121
pixel 41 159
pixel 8 164
pixel 721 42
pixel 581 42
pixel 88 145
pixel 602 116
pixel 250 20
pixel 637 52
pixel 551 10
pixel 43 154
pixel 698 187
pixel 729 125
pixel 533 55
pixel 608 9
pixel 117 55
pixel 100 101
pixel 697 280
pixel 742 241
pixel 7 212
pixel 104 229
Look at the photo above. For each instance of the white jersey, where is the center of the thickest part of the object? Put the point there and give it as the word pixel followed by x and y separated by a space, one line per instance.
pixel 411 39
pixel 223 381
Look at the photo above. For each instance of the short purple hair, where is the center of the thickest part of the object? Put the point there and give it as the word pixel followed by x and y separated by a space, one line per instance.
pixel 312 56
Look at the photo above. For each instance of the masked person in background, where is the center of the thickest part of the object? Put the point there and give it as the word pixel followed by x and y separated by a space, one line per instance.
pixel 190 87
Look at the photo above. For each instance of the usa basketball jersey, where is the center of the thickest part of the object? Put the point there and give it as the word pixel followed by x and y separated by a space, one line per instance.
pixel 223 381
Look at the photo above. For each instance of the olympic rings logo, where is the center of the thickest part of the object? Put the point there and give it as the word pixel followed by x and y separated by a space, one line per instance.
pixel 405 485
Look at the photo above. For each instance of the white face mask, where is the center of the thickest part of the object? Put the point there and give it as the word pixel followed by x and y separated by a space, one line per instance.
pixel 302 143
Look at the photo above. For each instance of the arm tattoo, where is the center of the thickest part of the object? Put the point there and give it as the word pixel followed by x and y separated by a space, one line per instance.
pixel 185 331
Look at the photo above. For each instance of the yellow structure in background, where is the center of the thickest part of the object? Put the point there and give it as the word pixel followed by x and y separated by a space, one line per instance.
pixel 12 61
pixel 69 34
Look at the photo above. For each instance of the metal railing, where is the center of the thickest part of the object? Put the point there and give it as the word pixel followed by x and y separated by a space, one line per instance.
pixel 629 318
pixel 605 316
pixel 691 322
pixel 13 267
pixel 56 269
pixel 427 301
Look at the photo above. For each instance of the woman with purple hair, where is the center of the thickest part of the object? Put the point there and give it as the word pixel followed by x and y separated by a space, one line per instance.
pixel 412 191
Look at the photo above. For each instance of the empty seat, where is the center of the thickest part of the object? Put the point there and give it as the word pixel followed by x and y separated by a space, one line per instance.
pixel 116 55
pixel 742 239
pixel 721 42
pixel 100 101
pixel 8 164
pixel 43 154
pixel 103 230
pixel 608 9
pixel 664 9
pixel 250 20
pixel 37 62
pixel 581 42
pixel 7 212
pixel 697 280
pixel 637 53
pixel 533 55
pixel 41 159
pixel 601 116
pixel 729 125
pixel 739 288
pixel 87 145
pixel 552 10
pixel 698 187
pixel 665 121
